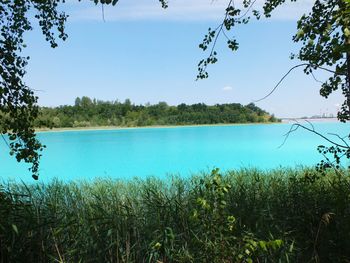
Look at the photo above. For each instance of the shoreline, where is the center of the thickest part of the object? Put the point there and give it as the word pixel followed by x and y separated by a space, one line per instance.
pixel 106 128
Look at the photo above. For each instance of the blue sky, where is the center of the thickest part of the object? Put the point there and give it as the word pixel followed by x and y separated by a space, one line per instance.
pixel 148 54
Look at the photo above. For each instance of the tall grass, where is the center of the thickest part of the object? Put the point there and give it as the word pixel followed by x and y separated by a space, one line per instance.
pixel 241 216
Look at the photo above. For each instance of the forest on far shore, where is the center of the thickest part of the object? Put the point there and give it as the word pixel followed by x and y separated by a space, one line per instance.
pixel 87 112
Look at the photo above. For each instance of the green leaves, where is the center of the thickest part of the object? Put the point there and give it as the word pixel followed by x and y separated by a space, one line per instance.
pixel 218 234
pixel 164 3
pixel 324 34
pixel 232 44
pixel 300 34
pixel 347 32
pixel 18 103
pixel 15 229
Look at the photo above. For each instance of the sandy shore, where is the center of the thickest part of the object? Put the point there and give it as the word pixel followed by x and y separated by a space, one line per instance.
pixel 103 128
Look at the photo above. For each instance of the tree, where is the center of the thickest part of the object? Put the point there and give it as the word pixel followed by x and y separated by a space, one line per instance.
pixel 77 102
pixel 85 102
pixel 18 102
pixel 325 37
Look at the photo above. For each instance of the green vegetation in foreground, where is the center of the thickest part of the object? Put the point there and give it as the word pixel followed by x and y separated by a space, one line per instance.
pixel 241 216
pixel 92 113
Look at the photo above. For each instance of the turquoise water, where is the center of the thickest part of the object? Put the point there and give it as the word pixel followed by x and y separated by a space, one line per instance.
pixel 157 152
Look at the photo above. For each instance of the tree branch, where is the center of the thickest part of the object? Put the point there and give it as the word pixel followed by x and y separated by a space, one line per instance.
pixel 281 80
pixel 290 70
pixel 296 126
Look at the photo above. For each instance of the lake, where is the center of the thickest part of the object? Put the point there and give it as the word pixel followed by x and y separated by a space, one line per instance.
pixel 143 152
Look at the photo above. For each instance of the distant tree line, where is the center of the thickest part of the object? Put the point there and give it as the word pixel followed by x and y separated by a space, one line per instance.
pixel 91 112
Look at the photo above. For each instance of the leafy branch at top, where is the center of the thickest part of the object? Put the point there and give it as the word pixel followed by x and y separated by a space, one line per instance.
pixel 232 17
pixel 324 34
pixel 18 103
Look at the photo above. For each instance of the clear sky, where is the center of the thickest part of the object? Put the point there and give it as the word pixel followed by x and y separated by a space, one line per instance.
pixel 148 54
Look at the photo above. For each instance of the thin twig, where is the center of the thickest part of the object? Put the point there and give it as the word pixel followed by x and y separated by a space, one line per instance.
pixel 340 138
pixel 225 35
pixel 290 70
pixel 317 80
pixel 103 13
pixel 281 80
pixel 247 11
pixel 3 137
pixel 312 126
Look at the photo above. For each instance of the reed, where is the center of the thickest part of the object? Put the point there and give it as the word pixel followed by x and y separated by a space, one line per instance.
pixel 284 215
